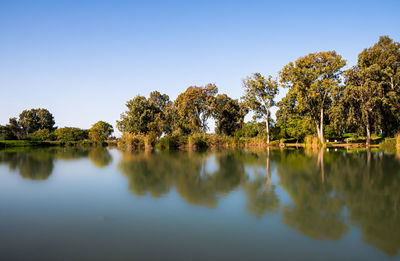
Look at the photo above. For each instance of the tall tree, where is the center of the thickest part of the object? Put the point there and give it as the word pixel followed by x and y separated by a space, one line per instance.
pixel 259 96
pixel 228 113
pixel 314 79
pixel 372 95
pixel 193 108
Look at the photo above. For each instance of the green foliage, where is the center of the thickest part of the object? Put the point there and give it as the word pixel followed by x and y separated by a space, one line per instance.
pixel 36 119
pixel 312 141
pixel 251 129
pixel 147 115
pixel 370 99
pixel 314 82
pixel 132 142
pixel 6 133
pixel 197 141
pixel 68 134
pixel 259 96
pixel 228 113
pixel 42 135
pixel 15 128
pixel 193 107
pixel 100 131
pixel 389 144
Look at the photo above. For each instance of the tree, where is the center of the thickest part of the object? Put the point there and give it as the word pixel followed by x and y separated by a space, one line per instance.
pixel 228 113
pixel 314 80
pixel 193 108
pixel 147 115
pixel 6 133
pixel 67 134
pixel 15 128
pixel 372 95
pixel 35 119
pixel 100 131
pixel 164 115
pixel 259 97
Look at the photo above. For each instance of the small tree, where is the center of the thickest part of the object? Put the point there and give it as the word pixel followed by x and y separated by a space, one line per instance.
pixel 100 131
pixel 259 97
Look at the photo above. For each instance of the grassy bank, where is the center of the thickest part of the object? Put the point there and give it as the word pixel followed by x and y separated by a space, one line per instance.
pixel 32 143
pixel 23 143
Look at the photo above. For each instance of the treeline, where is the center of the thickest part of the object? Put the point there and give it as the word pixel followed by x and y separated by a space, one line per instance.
pixel 39 125
pixel 323 100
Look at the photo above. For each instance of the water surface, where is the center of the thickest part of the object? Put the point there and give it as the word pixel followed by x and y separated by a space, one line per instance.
pixel 104 204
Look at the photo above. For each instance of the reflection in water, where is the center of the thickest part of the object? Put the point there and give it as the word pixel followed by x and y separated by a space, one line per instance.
pixel 188 173
pixel 317 193
pixel 369 184
pixel 316 208
pixel 38 163
pixel 329 191
pixel 34 166
pixel 100 157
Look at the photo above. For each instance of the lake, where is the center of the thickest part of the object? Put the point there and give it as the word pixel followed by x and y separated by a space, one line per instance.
pixel 105 204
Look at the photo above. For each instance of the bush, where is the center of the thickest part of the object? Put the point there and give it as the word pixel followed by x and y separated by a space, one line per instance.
pixel 197 141
pixel 397 138
pixel 311 141
pixel 389 144
pixel 42 135
pixel 173 141
pixel 67 134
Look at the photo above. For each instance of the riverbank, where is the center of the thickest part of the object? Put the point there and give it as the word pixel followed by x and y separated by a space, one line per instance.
pixel 31 143
pixel 211 141
pixel 193 142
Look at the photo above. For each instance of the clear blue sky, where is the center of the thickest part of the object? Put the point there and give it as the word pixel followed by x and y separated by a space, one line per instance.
pixel 83 60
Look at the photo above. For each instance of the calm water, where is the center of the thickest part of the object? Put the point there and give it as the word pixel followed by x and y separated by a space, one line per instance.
pixel 98 204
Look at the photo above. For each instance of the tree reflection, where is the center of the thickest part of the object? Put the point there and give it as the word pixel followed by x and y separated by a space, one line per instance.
pixel 38 163
pixel 100 157
pixel 369 183
pixel 34 166
pixel 261 197
pixel 316 209
pixel 189 173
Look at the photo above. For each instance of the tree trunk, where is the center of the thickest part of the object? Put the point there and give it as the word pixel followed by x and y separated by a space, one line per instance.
pixel 267 126
pixel 321 128
pixel 318 130
pixel 368 128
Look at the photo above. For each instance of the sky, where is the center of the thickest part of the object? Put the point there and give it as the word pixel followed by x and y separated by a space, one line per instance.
pixel 83 60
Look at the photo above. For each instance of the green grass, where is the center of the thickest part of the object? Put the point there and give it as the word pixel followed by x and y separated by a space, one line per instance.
pixel 32 143
pixel 21 143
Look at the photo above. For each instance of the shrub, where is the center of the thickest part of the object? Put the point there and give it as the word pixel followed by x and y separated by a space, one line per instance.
pixel 173 141
pixel 389 144
pixel 42 135
pixel 67 134
pixel 397 138
pixel 197 141
pixel 311 141
pixel 131 141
